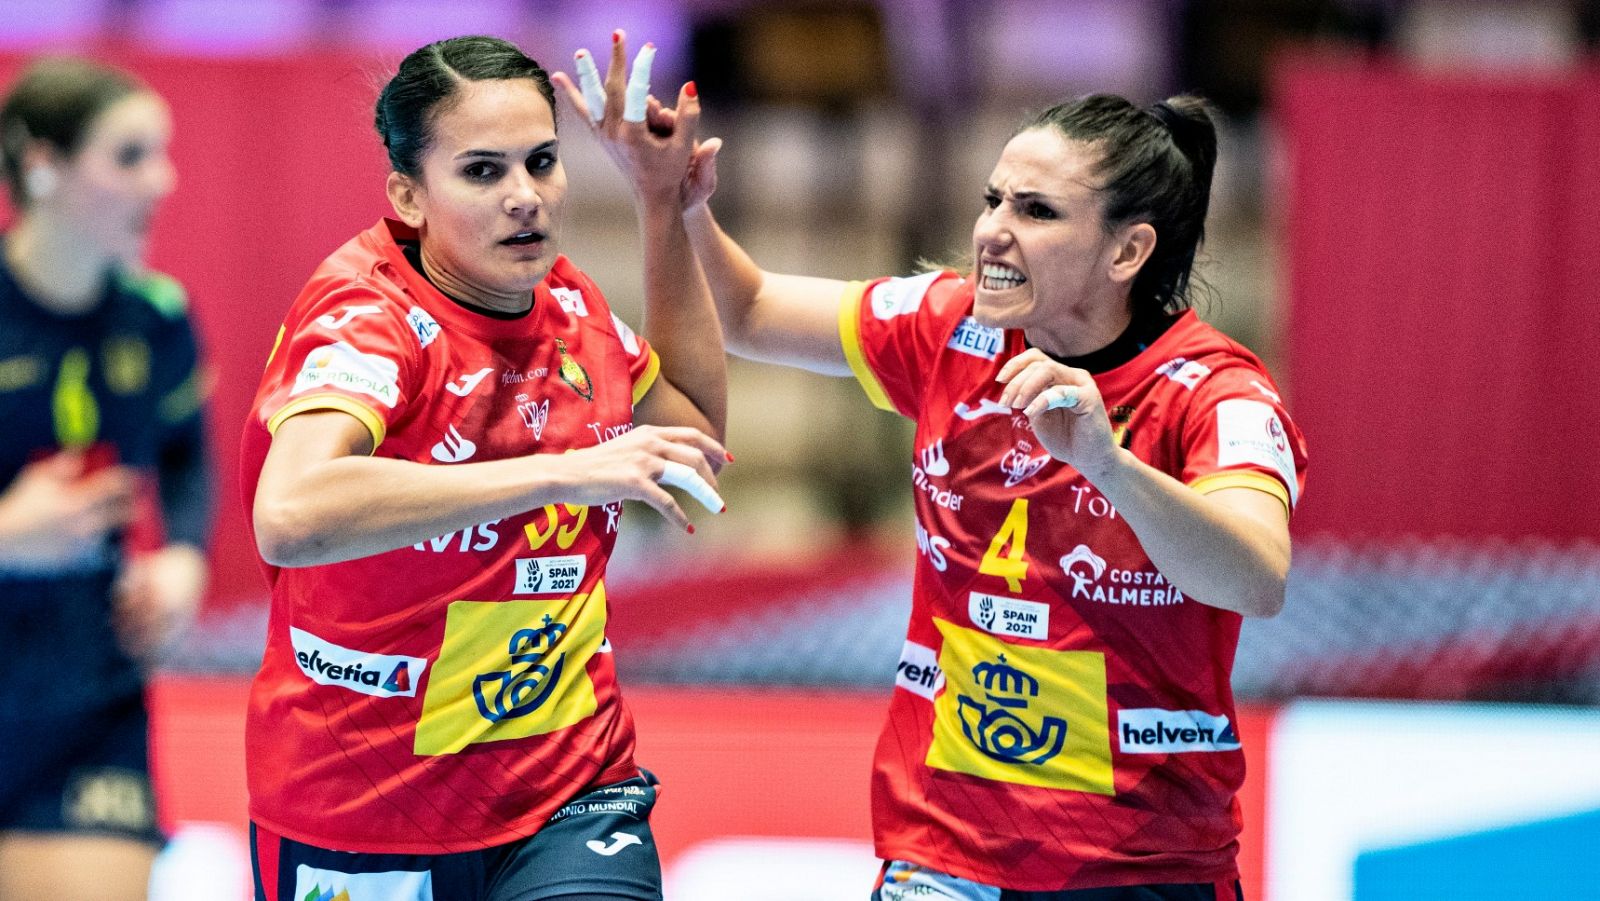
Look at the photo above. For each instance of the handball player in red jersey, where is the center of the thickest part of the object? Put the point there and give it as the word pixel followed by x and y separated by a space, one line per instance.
pixel 1103 486
pixel 435 465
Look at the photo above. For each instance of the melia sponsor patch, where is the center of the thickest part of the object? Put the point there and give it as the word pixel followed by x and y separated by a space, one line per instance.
pixel 1249 432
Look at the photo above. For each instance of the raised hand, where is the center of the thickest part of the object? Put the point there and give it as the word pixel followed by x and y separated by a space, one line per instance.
pixel 1064 407
pixel 652 144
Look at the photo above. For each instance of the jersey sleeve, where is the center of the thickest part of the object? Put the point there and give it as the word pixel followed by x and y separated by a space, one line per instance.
pixel 352 351
pixel 643 363
pixel 893 328
pixel 1237 434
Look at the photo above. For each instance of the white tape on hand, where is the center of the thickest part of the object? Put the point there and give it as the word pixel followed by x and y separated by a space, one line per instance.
pixel 633 101
pixel 1062 397
pixel 594 93
pixel 680 476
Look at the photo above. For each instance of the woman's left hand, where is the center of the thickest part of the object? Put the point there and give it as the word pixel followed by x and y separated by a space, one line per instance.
pixel 652 144
pixel 157 596
pixel 1064 407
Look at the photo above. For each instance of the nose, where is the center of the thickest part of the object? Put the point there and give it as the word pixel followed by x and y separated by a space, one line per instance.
pixel 522 197
pixel 991 231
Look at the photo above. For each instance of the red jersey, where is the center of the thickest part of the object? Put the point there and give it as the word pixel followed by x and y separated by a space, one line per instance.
pixel 1063 717
pixel 453 694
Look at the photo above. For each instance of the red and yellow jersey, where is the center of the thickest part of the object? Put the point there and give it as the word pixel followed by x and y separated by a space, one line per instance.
pixel 453 694
pixel 1063 717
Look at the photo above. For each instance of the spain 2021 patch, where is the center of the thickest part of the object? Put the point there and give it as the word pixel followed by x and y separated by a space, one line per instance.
pixel 1027 715
pixel 511 669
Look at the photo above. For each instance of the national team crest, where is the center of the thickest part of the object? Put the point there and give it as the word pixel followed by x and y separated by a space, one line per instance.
pixel 573 373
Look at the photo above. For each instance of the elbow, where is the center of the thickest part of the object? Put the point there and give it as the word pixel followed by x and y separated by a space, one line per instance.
pixel 283 539
pixel 1267 597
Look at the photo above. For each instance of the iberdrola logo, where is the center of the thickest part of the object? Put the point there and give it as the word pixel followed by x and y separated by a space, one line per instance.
pixel 320 894
pixel 572 372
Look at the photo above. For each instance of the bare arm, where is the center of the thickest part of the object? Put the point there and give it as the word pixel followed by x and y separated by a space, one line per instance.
pixel 679 319
pixel 321 499
pixel 1228 549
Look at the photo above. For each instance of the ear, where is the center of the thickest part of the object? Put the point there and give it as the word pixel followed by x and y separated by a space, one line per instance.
pixel 1132 247
pixel 405 195
pixel 39 175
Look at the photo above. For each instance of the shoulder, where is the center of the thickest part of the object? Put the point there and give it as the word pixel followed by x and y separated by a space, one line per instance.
pixel 157 290
pixel 940 291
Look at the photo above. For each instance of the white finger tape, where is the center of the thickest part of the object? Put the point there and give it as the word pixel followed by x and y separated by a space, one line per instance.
pixel 1062 397
pixel 680 476
pixel 633 101
pixel 594 94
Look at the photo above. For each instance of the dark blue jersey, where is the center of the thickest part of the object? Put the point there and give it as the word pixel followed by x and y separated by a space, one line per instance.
pixel 121 378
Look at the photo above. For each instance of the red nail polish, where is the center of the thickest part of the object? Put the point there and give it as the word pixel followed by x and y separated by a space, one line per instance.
pixel 650 44
pixel 616 36
pixel 691 528
pixel 692 91
pixel 724 509
pixel 724 453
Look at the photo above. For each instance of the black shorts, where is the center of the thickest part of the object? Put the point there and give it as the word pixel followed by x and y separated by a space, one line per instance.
pixel 598 844
pixel 84 773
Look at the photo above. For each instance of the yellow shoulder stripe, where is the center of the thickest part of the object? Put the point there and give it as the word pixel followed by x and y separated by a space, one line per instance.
pixel 1219 480
pixel 647 379
pixel 854 353
pixel 359 410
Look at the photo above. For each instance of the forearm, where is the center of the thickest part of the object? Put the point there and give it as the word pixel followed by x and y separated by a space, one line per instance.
pixel 734 278
pixel 357 506
pixel 680 319
pixel 1214 554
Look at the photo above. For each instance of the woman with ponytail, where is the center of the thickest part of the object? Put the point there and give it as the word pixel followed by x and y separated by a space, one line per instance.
pixel 1103 486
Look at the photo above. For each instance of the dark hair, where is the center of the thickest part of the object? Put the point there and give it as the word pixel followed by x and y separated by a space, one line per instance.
pixel 54 101
pixel 1156 164
pixel 428 81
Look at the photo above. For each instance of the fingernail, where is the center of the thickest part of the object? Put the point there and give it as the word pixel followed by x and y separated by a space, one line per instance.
pixel 691 528
pixel 728 455
pixel 692 91
pixel 724 509
pixel 616 36
pixel 649 45
pixel 580 54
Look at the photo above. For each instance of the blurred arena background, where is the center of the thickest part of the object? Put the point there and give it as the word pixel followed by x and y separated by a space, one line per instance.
pixel 1404 226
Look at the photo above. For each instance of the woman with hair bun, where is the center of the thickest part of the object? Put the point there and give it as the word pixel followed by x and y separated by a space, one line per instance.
pixel 1103 486
pixel 435 466
pixel 101 399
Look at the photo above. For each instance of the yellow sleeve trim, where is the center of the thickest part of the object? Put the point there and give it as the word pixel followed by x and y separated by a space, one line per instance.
pixel 1264 483
pixel 854 353
pixel 359 410
pixel 647 379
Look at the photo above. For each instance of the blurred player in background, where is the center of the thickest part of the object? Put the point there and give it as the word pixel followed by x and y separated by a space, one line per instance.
pixel 435 465
pixel 100 399
pixel 1103 486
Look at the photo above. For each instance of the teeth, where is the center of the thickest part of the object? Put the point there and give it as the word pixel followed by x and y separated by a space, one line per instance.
pixel 1000 278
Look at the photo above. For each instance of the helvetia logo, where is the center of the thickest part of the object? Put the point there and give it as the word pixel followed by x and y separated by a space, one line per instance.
pixel 1151 730
pixel 378 675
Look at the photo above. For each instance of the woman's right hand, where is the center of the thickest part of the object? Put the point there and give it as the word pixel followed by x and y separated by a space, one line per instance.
pixel 630 467
pixel 54 513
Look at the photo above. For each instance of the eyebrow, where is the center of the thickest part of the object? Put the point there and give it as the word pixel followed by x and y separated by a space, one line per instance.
pixel 499 155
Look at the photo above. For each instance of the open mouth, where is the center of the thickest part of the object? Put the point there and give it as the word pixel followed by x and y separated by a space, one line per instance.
pixel 524 239
pixel 1000 277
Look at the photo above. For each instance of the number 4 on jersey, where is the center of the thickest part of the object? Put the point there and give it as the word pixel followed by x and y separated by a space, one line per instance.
pixel 1011 564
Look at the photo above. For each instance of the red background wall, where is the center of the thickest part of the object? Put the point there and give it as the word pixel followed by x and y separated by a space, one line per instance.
pixel 1443 271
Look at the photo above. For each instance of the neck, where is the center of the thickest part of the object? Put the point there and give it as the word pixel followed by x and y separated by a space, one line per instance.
pixel 1084 329
pixel 446 281
pixel 50 263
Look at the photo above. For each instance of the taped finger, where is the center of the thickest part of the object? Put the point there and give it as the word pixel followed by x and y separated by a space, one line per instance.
pixel 1062 397
pixel 594 93
pixel 680 475
pixel 634 100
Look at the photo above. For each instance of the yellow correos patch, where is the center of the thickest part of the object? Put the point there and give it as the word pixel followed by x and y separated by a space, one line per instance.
pixel 511 669
pixel 1032 716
